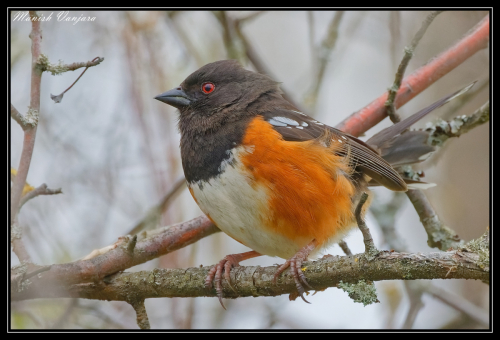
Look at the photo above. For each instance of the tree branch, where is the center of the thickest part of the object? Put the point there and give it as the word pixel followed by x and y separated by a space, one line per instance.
pixel 258 281
pixel 439 235
pixel 142 315
pixel 29 134
pixel 441 130
pixel 64 68
pixel 419 80
pixel 41 190
pixel 150 245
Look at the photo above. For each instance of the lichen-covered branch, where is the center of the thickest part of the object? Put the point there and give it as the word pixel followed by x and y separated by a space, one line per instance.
pixel 258 281
pixel 64 68
pixel 25 121
pixel 439 235
pixel 120 256
pixel 441 130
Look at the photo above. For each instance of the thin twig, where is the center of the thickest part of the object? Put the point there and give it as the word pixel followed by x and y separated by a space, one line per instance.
pixel 41 190
pixel 345 248
pixel 19 118
pixel 72 67
pixel 75 66
pixel 142 315
pixel 370 249
pixel 439 235
pixel 409 50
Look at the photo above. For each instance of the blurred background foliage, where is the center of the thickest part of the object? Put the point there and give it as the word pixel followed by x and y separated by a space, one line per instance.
pixel 113 150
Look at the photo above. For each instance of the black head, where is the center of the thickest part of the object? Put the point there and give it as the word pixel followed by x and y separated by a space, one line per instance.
pixel 219 93
pixel 215 104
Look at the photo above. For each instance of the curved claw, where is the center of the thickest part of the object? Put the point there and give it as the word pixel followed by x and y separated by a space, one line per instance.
pixel 228 262
pixel 215 274
pixel 295 264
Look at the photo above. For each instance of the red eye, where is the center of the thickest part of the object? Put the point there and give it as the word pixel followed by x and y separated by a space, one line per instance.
pixel 208 87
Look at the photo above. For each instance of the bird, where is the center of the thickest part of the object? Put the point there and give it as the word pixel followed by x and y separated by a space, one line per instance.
pixel 273 178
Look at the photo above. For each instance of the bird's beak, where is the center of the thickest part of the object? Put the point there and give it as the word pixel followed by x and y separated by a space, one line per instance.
pixel 175 97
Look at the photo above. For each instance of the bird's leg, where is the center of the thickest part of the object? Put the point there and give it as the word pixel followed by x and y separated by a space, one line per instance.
pixel 215 273
pixel 295 264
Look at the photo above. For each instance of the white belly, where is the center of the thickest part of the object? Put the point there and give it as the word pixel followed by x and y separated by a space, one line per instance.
pixel 239 209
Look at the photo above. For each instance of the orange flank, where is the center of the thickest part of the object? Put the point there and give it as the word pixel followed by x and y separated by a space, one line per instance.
pixel 309 193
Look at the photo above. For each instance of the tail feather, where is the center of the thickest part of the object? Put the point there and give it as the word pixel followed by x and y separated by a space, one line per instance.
pixel 385 135
pixel 398 146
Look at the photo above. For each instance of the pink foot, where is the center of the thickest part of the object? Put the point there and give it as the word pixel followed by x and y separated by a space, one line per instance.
pixel 295 264
pixel 215 273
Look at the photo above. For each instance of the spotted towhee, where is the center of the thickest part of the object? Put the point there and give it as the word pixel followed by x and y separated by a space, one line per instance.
pixel 273 178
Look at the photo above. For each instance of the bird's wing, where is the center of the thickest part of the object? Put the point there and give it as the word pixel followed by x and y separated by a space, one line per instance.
pixel 296 126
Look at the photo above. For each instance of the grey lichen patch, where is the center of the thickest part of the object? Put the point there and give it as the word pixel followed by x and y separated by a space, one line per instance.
pixel 371 253
pixel 441 130
pixel 480 246
pixel 31 117
pixel 17 273
pixel 363 292
pixel 15 232
pixel 55 69
pixel 440 236
pixel 410 173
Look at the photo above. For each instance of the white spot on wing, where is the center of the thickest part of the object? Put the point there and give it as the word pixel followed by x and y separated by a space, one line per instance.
pixel 284 120
pixel 276 123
